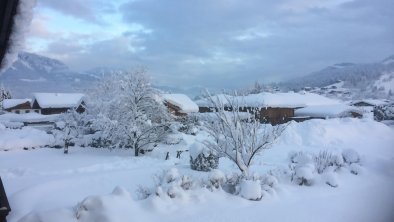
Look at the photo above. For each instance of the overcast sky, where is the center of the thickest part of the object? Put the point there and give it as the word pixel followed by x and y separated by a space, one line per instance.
pixel 213 43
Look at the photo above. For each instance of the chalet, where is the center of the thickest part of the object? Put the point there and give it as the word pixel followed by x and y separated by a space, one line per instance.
pixel 179 104
pixel 55 103
pixel 274 108
pixel 18 106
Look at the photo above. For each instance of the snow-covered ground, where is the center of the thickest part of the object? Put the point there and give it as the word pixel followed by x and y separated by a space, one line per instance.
pixel 47 185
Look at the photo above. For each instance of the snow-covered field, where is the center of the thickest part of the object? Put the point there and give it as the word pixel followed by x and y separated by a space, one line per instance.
pixel 46 185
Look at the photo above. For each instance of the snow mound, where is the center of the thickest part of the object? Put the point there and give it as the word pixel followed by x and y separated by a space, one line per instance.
pixel 115 207
pixel 26 137
pixel 251 190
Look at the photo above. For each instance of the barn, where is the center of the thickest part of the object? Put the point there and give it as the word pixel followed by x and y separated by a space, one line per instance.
pixel 55 103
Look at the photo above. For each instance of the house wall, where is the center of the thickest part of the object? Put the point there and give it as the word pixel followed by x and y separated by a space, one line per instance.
pixel 22 111
pixel 276 115
pixel 173 109
pixel 265 115
pixel 50 111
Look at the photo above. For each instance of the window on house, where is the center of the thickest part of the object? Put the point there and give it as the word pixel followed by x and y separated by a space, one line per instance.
pixel 27 111
pixel 17 111
pixel 36 111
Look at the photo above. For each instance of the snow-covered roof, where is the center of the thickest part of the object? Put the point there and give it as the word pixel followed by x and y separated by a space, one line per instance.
pixel 9 103
pixel 58 100
pixel 285 100
pixel 182 101
pixel 330 111
pixel 373 102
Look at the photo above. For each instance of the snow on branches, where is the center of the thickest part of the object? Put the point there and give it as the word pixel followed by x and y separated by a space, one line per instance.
pixel 127 111
pixel 238 135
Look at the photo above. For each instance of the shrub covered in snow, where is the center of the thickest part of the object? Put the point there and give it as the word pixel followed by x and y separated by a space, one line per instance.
pixel 350 156
pixel 168 185
pixel 251 190
pixel 171 184
pixel 385 112
pixel 202 158
pixel 305 168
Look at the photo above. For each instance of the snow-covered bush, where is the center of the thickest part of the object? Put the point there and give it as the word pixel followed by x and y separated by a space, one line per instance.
pixel 189 125
pixel 202 158
pixel 173 139
pixel 385 112
pixel 238 135
pixel 170 184
pixel 217 179
pixel 305 168
pixel 350 156
pixel 127 113
pixel 326 159
pixel 251 190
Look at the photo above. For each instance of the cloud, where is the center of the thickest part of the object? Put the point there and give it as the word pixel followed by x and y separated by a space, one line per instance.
pixel 225 42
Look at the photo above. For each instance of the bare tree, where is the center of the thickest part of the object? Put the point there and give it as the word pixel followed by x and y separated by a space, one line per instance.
pixel 236 132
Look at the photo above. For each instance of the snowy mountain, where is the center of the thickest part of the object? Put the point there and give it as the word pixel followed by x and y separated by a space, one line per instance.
pixel 372 80
pixel 34 73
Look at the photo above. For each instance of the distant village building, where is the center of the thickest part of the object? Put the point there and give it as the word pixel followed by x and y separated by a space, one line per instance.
pixel 274 108
pixel 55 103
pixel 18 106
pixel 179 104
pixel 369 102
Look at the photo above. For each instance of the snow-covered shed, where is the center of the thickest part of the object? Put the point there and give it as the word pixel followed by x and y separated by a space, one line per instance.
pixel 18 106
pixel 55 103
pixel 275 108
pixel 328 111
pixel 179 104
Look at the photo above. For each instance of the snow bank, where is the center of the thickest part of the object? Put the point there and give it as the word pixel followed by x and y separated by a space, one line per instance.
pixel 115 207
pixel 28 117
pixel 182 101
pixel 23 138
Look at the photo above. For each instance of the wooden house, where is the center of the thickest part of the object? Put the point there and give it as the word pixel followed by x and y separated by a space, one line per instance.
pixel 18 106
pixel 55 103
pixel 179 104
pixel 274 108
